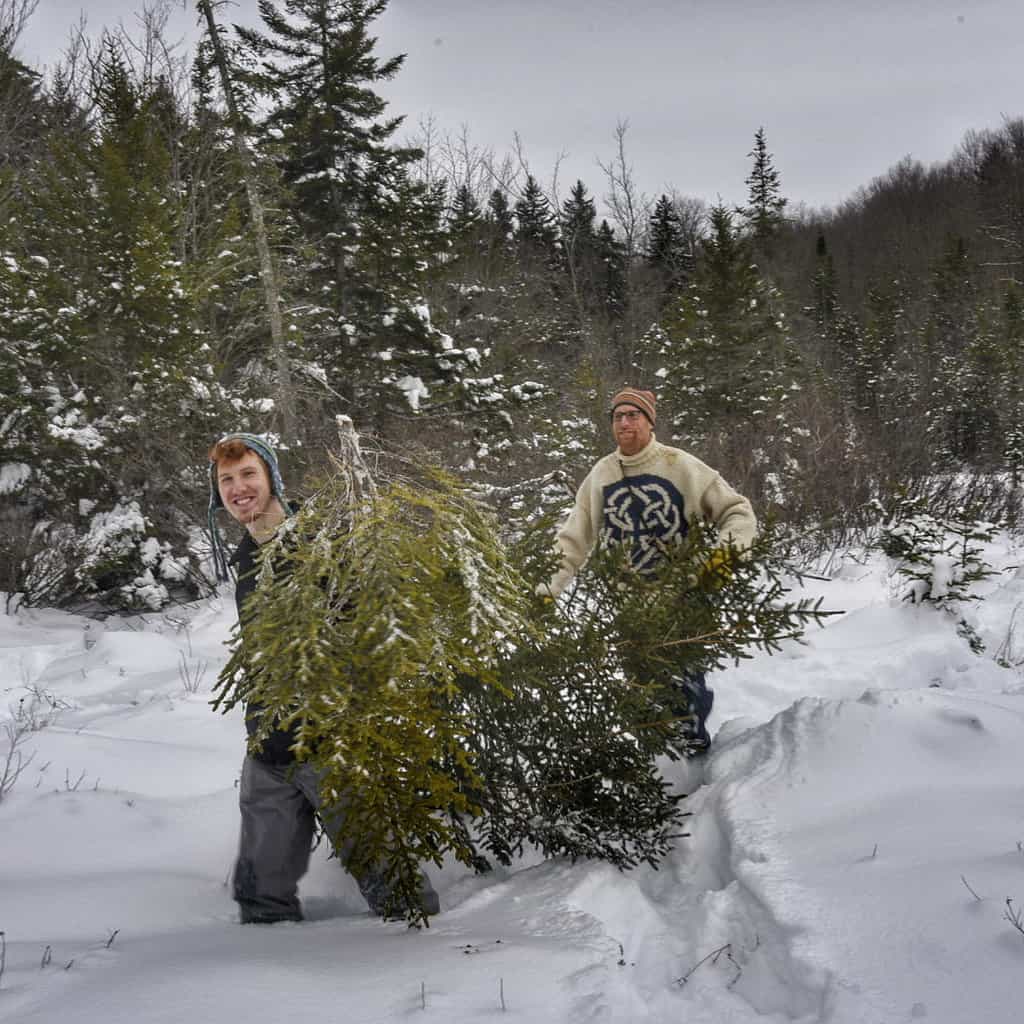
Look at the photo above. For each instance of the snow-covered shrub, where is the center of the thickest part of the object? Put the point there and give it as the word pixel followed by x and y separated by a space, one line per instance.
pixel 119 545
pixel 935 560
pixel 47 568
pixel 113 559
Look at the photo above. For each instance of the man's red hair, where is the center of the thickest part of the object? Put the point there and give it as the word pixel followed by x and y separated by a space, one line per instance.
pixel 229 451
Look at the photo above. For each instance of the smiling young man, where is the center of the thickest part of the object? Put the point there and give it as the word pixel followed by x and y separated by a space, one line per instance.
pixel 279 798
pixel 246 492
pixel 643 495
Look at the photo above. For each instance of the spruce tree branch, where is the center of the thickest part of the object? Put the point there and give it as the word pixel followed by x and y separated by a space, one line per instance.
pixel 699 639
pixel 487 492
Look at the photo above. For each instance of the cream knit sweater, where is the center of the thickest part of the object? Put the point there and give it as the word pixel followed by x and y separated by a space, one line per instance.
pixel 647 500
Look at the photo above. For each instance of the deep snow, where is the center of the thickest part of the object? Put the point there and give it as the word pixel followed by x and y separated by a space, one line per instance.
pixel 858 831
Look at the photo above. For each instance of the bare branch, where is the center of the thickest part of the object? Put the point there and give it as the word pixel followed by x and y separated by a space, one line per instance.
pixel 969 889
pixel 629 207
pixel 713 957
pixel 14 762
pixel 14 16
pixel 1015 917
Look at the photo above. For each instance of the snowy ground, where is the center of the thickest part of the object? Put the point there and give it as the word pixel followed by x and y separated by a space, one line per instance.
pixel 857 834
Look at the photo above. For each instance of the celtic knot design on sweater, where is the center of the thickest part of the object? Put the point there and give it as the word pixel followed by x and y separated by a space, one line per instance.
pixel 645 512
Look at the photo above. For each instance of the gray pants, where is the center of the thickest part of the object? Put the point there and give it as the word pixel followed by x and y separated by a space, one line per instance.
pixel 279 805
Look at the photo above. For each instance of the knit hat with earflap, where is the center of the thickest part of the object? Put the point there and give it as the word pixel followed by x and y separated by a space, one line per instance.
pixel 269 457
pixel 645 401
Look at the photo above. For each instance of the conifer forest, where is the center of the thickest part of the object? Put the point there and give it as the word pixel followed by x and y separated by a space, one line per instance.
pixel 247 237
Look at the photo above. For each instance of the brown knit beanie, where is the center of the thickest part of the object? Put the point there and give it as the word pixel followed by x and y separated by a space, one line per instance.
pixel 643 400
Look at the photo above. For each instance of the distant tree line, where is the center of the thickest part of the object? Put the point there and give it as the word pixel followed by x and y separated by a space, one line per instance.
pixel 238 238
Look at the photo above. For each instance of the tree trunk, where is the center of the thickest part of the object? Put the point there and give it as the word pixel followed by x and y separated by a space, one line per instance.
pixel 285 398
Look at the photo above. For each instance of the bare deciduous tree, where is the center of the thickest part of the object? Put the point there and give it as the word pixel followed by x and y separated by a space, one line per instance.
pixel 692 214
pixel 454 160
pixel 17 83
pixel 629 207
pixel 14 16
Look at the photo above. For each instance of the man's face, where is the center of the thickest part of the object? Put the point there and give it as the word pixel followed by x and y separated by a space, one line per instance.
pixel 631 428
pixel 244 486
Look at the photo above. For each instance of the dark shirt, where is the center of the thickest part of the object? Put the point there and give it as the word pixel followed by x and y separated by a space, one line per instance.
pixel 276 747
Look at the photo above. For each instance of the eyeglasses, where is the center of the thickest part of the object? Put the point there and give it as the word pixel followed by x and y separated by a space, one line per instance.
pixel 627 417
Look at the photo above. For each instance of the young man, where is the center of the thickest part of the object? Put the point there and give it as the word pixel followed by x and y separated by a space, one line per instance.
pixel 279 799
pixel 643 495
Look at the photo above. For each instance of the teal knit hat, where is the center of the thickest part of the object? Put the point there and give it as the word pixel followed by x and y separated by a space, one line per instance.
pixel 260 446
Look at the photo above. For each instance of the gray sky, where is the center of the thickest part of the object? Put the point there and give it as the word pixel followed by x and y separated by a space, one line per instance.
pixel 844 88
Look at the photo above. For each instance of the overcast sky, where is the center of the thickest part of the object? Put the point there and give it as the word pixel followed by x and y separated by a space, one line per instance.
pixel 843 88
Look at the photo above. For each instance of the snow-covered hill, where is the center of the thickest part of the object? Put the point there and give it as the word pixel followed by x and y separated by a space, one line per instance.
pixel 857 833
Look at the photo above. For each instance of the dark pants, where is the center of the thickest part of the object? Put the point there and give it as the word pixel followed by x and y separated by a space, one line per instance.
pixel 279 805
pixel 692 707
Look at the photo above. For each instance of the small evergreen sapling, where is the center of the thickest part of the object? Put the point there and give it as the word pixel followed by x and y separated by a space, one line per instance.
pixel 938 560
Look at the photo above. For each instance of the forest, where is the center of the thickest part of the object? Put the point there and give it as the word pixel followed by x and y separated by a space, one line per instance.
pixel 244 238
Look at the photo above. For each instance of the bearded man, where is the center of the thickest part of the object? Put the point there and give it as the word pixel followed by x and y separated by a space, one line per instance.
pixel 644 495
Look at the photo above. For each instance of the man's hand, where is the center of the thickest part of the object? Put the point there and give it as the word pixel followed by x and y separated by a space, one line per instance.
pixel 716 572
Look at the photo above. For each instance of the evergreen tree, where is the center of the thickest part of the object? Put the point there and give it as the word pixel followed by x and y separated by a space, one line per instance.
pixel 882 367
pixel 730 368
pixel 764 210
pixel 24 112
pixel 535 223
pixel 611 277
pixel 1012 390
pixel 838 335
pixel 826 301
pixel 577 225
pixel 219 54
pixel 663 236
pixel 465 216
pixel 665 250
pixel 728 278
pixel 102 348
pixel 374 229
pixel 217 240
pixel 402 231
pixel 964 364
pixel 467 234
pixel 499 218
pixel 315 62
